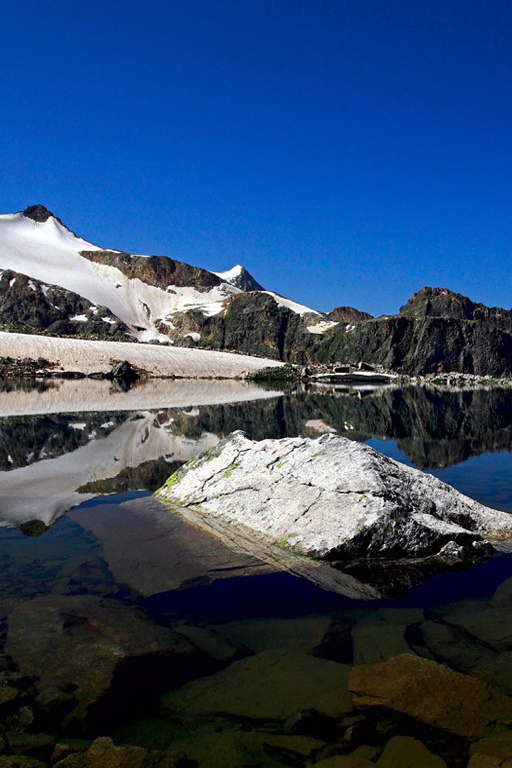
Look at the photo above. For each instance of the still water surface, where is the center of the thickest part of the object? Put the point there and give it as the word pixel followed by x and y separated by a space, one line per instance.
pixel 136 625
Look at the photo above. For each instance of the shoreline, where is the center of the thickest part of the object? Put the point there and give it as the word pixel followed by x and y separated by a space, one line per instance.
pixel 26 357
pixel 365 376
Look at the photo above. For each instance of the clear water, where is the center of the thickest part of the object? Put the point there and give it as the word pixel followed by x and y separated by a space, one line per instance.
pixel 81 535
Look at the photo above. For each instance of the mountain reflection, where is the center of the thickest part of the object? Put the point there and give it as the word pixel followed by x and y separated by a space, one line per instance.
pixel 52 462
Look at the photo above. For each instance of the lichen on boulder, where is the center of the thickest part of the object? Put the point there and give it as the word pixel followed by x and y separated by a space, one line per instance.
pixel 334 499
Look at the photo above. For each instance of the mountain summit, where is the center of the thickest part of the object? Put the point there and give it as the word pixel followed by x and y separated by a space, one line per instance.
pixel 38 213
pixel 240 278
pixel 441 302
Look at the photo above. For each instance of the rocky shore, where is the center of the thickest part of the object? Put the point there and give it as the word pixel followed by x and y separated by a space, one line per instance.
pixel 345 374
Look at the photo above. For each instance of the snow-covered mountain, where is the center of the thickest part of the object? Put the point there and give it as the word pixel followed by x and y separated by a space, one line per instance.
pixel 79 287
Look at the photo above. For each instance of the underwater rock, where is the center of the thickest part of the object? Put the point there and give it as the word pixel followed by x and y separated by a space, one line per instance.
pixel 467 654
pixel 304 633
pixel 104 754
pixel 377 640
pixel 336 500
pixel 431 694
pixel 498 746
pixel 345 761
pixel 20 761
pixel 271 685
pixel 8 695
pixel 84 649
pixel 406 752
pixel 242 749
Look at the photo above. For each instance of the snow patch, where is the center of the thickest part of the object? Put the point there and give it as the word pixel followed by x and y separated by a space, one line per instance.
pixel 322 326
pixel 299 309
pixel 230 274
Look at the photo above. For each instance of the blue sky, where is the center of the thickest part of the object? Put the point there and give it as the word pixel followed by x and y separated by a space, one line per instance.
pixel 345 151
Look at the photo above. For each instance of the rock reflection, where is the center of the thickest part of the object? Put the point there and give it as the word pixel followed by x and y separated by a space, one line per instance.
pixel 53 461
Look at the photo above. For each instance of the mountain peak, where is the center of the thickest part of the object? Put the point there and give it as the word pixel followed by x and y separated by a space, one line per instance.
pixel 38 213
pixel 240 278
pixel 348 315
pixel 439 302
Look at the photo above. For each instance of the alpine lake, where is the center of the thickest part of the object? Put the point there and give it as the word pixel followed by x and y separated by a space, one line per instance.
pixel 120 619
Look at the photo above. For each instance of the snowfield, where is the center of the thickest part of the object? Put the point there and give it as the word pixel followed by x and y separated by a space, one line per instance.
pixel 230 275
pixel 321 327
pixel 88 357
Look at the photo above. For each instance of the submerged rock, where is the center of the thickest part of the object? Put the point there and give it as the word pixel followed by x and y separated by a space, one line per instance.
pixel 498 746
pixel 431 695
pixel 94 656
pixel 247 749
pixel 272 685
pixel 104 754
pixel 335 499
pixel 406 752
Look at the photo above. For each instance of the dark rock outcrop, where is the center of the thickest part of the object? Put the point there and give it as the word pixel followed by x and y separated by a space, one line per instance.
pixel 159 271
pixel 24 368
pixel 124 373
pixel 31 306
pixel 348 315
pixel 440 302
pixel 421 346
pixel 255 324
pixel 38 213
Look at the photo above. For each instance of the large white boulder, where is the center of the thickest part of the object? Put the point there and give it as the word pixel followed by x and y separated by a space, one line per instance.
pixel 334 499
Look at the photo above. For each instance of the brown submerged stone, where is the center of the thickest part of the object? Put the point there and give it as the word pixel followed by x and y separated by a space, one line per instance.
pixel 431 694
pixel 104 754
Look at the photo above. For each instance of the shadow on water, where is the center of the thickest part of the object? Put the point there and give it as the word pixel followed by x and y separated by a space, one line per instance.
pixel 284 595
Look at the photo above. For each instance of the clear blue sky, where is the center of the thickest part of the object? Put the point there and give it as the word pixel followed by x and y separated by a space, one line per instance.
pixel 345 151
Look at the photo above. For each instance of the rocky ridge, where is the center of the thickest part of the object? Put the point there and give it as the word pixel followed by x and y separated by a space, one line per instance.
pixel 158 298
pixel 440 302
pixel 348 315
